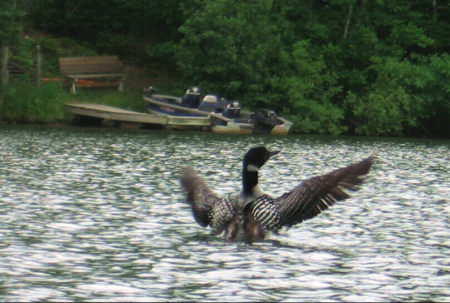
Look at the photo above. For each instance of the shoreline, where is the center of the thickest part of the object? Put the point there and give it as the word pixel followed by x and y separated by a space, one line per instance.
pixel 129 126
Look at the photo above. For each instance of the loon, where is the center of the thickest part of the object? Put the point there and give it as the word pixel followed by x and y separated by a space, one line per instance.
pixel 251 214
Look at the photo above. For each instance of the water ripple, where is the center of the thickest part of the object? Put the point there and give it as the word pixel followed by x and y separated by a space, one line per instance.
pixel 98 215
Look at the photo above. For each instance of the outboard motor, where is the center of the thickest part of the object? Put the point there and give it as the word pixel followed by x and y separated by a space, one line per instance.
pixel 265 120
pixel 192 97
pixel 233 109
pixel 149 91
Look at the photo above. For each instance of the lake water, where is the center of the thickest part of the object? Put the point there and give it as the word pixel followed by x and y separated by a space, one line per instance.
pixel 98 215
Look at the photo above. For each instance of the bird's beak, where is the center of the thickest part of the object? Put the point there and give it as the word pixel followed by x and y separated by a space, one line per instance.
pixel 273 153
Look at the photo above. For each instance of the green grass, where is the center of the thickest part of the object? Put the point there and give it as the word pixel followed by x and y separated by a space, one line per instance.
pixel 22 102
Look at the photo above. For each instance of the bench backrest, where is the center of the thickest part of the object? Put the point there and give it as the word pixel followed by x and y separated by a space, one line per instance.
pixel 90 65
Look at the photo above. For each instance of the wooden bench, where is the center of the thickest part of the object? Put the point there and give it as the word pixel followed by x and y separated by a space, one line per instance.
pixel 94 71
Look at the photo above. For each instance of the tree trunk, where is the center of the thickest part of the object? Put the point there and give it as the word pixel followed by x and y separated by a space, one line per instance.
pixel 434 4
pixel 360 9
pixel 347 22
pixel 4 56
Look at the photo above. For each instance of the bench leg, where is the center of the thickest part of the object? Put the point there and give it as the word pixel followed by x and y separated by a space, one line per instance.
pixel 73 88
pixel 120 88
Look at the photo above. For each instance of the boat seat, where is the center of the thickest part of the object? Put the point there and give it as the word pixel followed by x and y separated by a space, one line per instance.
pixel 211 103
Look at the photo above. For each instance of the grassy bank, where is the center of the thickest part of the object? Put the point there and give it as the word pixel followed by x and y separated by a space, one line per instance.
pixel 23 102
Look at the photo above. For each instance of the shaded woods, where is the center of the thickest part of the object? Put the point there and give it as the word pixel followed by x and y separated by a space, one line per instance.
pixel 364 67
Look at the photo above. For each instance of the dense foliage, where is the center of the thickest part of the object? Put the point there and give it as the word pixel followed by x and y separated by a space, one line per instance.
pixel 369 67
pixel 10 20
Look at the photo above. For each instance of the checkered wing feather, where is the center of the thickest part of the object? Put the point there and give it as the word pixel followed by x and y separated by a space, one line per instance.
pixel 265 212
pixel 208 209
pixel 222 213
pixel 318 193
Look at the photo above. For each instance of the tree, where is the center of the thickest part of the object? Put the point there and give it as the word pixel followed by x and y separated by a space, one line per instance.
pixel 141 30
pixel 310 88
pixel 232 47
pixel 365 67
pixel 10 27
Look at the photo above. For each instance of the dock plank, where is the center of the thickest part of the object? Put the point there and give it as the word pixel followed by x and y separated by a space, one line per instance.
pixel 122 115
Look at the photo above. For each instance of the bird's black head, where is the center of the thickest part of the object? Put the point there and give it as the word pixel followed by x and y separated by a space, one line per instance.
pixel 253 160
pixel 256 157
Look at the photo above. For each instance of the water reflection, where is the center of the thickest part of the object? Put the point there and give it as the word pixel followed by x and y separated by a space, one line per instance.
pixel 98 215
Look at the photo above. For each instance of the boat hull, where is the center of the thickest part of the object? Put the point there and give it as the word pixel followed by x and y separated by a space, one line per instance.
pixel 164 105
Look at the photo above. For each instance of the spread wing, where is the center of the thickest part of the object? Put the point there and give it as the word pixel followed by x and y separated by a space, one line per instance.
pixel 207 207
pixel 318 193
pixel 311 197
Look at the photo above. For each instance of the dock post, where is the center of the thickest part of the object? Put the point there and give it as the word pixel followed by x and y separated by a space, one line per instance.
pixel 38 65
pixel 4 57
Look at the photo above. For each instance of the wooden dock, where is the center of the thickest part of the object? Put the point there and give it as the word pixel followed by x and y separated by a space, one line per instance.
pixel 115 114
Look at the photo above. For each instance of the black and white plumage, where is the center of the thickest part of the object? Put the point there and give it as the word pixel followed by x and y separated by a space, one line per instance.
pixel 249 215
